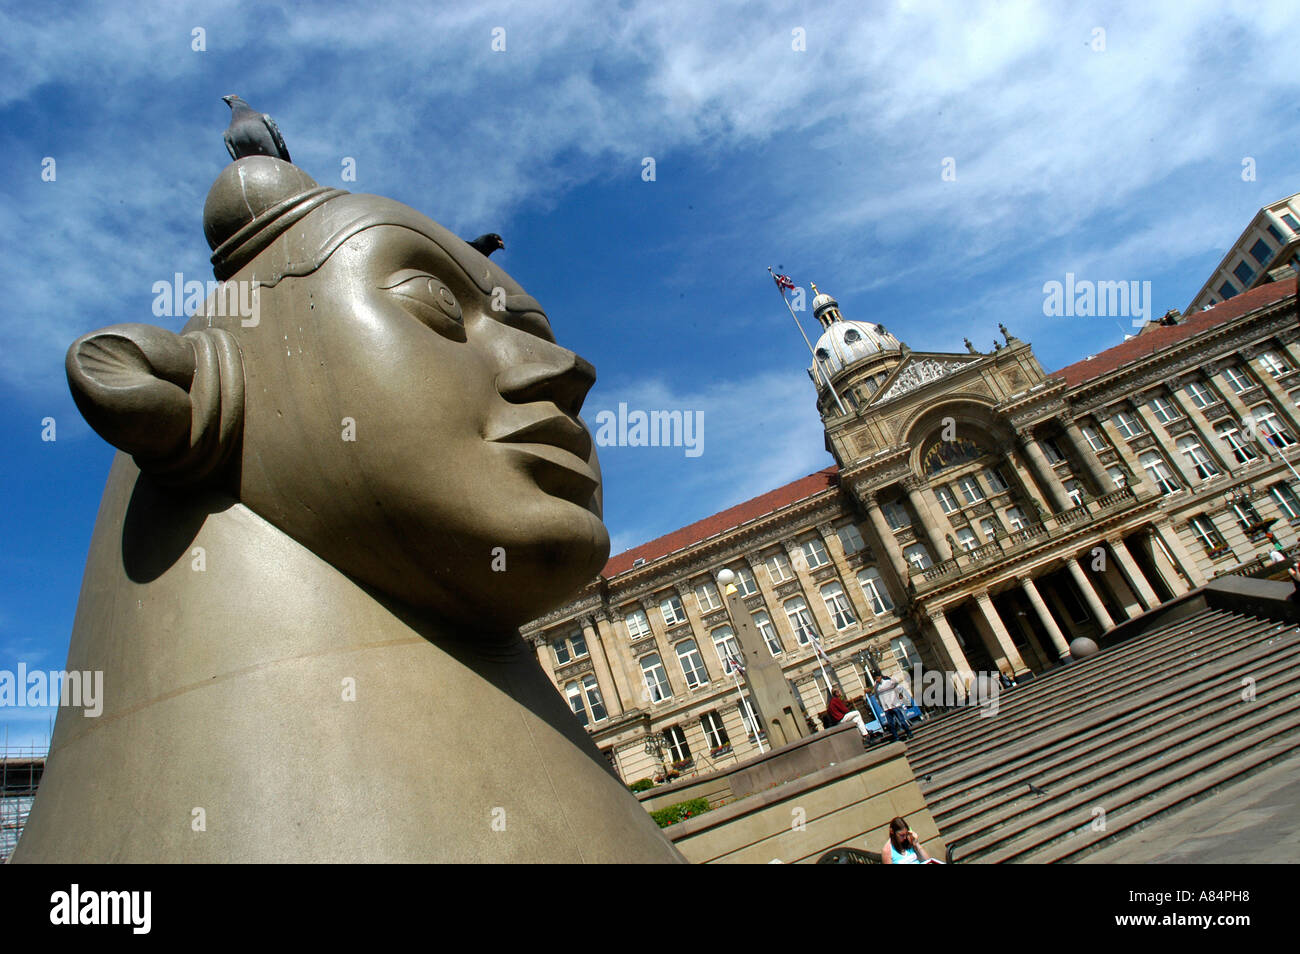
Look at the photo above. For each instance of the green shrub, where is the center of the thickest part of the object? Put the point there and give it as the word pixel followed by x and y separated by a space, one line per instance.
pixel 641 784
pixel 680 812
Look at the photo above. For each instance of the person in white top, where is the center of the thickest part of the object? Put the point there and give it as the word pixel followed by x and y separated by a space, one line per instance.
pixel 890 694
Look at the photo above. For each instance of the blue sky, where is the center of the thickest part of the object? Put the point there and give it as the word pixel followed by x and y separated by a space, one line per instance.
pixel 1122 163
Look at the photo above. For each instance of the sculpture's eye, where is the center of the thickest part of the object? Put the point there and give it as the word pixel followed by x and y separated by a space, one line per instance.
pixel 428 298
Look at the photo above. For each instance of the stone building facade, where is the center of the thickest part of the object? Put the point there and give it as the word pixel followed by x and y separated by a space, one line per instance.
pixel 980 515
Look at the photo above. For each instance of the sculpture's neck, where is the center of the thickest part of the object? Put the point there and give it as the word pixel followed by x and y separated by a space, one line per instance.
pixel 309 720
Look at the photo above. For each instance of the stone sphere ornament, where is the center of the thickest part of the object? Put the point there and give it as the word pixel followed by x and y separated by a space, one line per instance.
pixel 1082 647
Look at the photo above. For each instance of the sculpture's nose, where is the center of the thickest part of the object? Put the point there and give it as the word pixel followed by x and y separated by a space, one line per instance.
pixel 564 380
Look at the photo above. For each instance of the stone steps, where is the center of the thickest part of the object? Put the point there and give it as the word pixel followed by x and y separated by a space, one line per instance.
pixel 1135 732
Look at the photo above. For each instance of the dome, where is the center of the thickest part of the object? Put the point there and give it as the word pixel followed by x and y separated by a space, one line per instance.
pixel 846 342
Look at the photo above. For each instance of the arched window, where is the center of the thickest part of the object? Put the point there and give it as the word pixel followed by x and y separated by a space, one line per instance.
pixel 656 680
pixel 941 454
pixel 1159 473
pixel 724 641
pixel 796 611
pixel 837 604
pixel 1197 458
pixel 692 663
pixel 873 588
pixel 768 632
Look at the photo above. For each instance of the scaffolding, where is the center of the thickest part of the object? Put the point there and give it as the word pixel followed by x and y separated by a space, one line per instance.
pixel 20 774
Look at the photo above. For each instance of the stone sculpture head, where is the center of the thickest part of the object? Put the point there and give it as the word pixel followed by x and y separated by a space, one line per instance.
pixel 395 402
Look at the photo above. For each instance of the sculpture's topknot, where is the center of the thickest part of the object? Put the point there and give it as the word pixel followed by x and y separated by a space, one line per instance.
pixel 254 200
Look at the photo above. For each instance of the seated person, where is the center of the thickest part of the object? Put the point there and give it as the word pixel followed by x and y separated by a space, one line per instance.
pixel 903 847
pixel 838 711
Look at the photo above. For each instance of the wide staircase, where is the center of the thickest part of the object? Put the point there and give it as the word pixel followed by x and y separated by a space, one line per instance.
pixel 1084 754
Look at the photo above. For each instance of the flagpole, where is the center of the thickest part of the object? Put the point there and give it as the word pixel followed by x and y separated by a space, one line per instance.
pixel 746 715
pixel 816 364
pixel 817 645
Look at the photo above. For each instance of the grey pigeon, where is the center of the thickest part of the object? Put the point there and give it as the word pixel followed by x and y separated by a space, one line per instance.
pixel 251 133
pixel 489 243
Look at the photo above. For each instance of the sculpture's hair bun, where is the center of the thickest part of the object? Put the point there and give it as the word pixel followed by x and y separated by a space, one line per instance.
pixel 254 200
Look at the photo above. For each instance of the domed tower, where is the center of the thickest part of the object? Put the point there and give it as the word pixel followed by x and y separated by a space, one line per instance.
pixel 854 357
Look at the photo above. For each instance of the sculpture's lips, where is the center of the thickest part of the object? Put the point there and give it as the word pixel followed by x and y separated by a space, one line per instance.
pixel 559 448
pixel 558 431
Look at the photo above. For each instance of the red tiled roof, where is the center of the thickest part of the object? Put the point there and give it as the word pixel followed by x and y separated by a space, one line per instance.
pixel 1166 336
pixel 732 517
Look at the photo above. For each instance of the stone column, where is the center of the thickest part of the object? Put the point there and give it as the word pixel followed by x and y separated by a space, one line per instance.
pixel 664 646
pixel 888 542
pixel 1043 472
pixel 1133 573
pixel 616 701
pixel 916 490
pixel 1182 559
pixel 1002 639
pixel 1089 594
pixel 1101 481
pixel 1026 485
pixel 1059 642
pixel 542 646
pixel 1128 602
pixel 1168 572
pixel 945 641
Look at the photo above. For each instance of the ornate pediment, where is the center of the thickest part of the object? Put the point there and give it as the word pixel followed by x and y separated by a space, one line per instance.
pixel 919 371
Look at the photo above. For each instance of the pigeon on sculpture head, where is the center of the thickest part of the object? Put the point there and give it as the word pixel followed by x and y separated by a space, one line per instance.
pixel 251 133
pixel 489 243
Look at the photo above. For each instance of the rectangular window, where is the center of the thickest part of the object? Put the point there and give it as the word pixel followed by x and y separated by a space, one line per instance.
pixel 1290 221
pixel 714 732
pixel 1051 449
pixel 671 607
pixel 946 500
pixel 851 538
pixel 778 567
pixel 997 481
pixel 637 624
pixel 1274 231
pixel 708 597
pixel 1286 500
pixel 578 644
pixel 1261 252
pixel 1075 492
pixel 1201 395
pixel 1163 409
pixel 561 649
pixel 970 489
pixel 966 539
pixel 1117 476
pixel 1016 518
pixel 895 515
pixel 1244 273
pixel 1273 363
pixel 745 583
pixel 1094 439
pixel 918 556
pixel 1227 290
pixel 1237 379
pixel 814 551
pixel 574 695
pixel 1127 424
pixel 1203 529
pixel 677 745
pixel 1240 449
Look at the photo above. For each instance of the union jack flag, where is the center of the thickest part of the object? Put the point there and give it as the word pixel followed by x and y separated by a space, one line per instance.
pixel 784 281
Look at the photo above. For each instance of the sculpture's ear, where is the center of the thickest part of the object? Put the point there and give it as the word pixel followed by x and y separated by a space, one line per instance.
pixel 131 384
pixel 173 402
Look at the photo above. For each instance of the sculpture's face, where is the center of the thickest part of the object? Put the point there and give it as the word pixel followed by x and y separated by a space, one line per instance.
pixel 421 440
